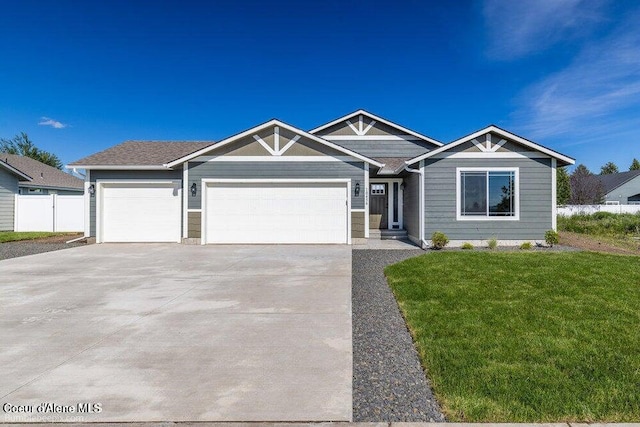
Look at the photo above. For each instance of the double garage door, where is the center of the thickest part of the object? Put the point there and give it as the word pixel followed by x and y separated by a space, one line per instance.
pixel 233 212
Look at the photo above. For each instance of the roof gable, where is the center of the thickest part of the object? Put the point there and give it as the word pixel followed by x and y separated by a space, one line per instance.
pixel 275 138
pixel 493 140
pixel 39 174
pixel 364 125
pixel 612 181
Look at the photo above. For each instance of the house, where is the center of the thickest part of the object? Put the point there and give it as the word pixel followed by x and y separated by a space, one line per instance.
pixel 354 177
pixel 621 188
pixel 24 175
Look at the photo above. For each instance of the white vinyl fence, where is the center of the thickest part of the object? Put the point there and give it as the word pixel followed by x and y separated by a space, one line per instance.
pixel 570 210
pixel 49 213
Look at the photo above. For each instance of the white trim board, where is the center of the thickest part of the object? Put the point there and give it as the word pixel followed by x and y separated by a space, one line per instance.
pixel 118 167
pixel 378 119
pixel 516 202
pixel 372 138
pixel 275 123
pixel 554 194
pixel 224 158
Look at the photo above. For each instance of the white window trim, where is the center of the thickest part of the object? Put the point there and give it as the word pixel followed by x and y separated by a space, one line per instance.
pixel 460 217
pixel 212 181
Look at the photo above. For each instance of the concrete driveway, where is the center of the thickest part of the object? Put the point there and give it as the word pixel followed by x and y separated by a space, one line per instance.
pixel 155 332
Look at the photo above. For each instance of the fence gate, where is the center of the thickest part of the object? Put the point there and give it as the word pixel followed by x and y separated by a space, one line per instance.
pixel 49 213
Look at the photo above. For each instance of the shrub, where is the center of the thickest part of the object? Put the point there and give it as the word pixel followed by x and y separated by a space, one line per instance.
pixel 492 243
pixel 439 240
pixel 526 246
pixel 551 237
pixel 466 245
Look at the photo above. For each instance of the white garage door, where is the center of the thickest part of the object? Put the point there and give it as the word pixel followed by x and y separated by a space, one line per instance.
pixel 276 213
pixel 140 212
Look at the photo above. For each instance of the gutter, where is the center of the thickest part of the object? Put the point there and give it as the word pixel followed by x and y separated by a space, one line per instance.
pixel 421 216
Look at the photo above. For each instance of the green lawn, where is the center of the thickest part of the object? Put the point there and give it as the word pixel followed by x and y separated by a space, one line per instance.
pixel 13 236
pixel 522 337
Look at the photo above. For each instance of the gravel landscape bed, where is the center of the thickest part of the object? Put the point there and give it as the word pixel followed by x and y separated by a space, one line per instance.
pixel 32 247
pixel 388 381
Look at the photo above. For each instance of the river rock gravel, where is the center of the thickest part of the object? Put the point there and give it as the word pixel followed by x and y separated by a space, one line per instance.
pixel 388 381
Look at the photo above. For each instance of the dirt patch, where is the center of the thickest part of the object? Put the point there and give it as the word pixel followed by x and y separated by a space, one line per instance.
pixel 56 239
pixel 596 244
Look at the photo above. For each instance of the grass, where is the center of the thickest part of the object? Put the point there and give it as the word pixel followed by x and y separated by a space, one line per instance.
pixel 526 337
pixel 602 224
pixel 14 236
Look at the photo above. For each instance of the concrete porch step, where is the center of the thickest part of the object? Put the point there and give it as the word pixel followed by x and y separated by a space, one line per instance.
pixel 388 234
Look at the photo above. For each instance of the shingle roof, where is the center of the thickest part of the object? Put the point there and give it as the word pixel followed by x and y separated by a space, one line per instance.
pixel 391 164
pixel 614 180
pixel 142 153
pixel 41 175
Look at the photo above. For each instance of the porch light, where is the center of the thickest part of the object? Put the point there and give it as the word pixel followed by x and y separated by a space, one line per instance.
pixel 194 189
pixel 92 189
pixel 356 190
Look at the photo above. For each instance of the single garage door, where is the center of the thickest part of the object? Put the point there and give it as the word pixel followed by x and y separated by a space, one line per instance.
pixel 276 213
pixel 143 212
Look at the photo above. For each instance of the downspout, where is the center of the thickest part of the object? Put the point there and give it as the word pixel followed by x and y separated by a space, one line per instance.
pixel 423 243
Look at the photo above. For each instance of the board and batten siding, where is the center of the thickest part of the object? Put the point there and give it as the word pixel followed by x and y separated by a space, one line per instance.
pixel 535 201
pixel 140 175
pixel 386 148
pixel 8 190
pixel 276 170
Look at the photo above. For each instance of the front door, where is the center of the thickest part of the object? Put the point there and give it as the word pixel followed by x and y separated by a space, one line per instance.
pixel 378 207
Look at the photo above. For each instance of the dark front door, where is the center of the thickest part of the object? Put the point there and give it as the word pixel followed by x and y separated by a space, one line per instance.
pixel 378 207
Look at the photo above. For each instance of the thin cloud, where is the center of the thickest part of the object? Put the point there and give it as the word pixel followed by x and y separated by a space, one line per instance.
pixel 596 95
pixel 518 28
pixel 47 121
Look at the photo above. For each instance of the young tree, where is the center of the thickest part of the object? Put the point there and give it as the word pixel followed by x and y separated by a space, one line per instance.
pixel 563 186
pixel 609 168
pixel 586 188
pixel 635 165
pixel 23 146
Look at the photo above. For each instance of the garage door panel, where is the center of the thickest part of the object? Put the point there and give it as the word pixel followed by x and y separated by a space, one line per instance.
pixel 276 213
pixel 141 213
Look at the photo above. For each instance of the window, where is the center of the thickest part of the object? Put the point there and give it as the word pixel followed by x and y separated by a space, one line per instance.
pixel 487 194
pixel 377 188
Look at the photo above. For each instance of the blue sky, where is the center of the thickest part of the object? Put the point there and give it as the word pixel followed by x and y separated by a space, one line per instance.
pixel 80 76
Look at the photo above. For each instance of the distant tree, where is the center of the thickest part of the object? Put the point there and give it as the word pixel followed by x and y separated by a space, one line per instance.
pixel 635 165
pixel 586 188
pixel 563 186
pixel 23 146
pixel 609 168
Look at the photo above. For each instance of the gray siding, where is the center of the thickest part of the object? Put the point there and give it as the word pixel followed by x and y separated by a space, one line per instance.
pixel 382 148
pixel 8 190
pixel 276 170
pixel 535 201
pixel 411 207
pixel 113 174
pixel 626 192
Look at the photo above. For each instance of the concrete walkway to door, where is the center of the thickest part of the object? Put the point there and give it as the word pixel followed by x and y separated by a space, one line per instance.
pixel 168 332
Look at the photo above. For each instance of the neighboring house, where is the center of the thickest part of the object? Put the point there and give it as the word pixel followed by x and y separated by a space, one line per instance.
pixel 23 175
pixel 355 177
pixel 621 188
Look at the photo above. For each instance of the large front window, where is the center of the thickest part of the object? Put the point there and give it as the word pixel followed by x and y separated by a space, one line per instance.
pixel 487 194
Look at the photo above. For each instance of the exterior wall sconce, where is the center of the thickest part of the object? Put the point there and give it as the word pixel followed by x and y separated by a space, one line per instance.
pixel 92 189
pixel 356 190
pixel 194 190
